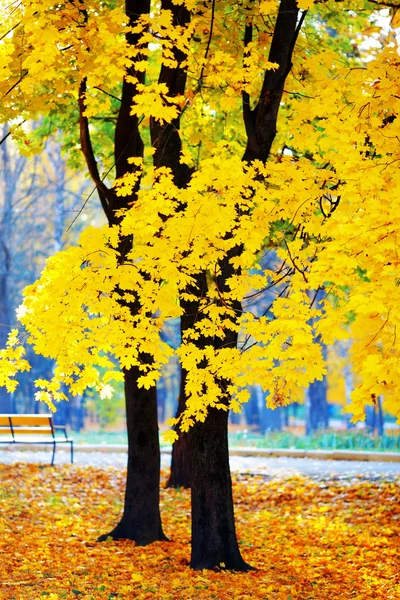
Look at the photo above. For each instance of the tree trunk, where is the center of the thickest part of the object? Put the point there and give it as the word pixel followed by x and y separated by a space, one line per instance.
pixel 6 240
pixel 317 407
pixel 270 419
pixel 5 402
pixel 141 519
pixel 380 420
pixel 167 144
pixel 285 416
pixel 344 352
pixel 251 408
pixel 181 459
pixel 161 400
pixel 374 417
pixel 214 541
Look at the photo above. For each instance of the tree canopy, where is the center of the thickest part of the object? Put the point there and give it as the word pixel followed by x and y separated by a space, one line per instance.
pixel 321 215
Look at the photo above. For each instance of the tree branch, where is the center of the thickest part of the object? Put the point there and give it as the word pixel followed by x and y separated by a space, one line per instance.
pixel 248 118
pixel 96 87
pixel 208 41
pixel 165 138
pixel 10 30
pixel 128 142
pixel 87 150
pixel 384 4
pixel 15 84
pixel 265 114
pixel 5 137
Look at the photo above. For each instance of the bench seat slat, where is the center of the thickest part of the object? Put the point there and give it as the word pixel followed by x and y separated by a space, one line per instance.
pixel 28 430
pixel 32 440
pixel 32 420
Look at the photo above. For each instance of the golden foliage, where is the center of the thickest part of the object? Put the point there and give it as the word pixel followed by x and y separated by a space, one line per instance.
pixel 326 203
pixel 310 540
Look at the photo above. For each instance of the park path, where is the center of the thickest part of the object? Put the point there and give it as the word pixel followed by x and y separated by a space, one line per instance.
pixel 267 466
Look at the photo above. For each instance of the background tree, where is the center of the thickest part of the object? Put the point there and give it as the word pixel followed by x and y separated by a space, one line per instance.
pixel 39 201
pixel 317 408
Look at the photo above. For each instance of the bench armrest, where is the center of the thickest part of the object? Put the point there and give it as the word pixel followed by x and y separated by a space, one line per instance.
pixel 61 428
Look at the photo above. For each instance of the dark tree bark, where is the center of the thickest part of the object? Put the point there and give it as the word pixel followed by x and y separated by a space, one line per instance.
pixel 214 542
pixel 181 458
pixel 167 144
pixel 213 536
pixel 141 519
pixel 213 529
pixel 261 122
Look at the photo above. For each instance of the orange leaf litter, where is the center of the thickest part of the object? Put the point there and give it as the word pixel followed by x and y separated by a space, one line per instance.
pixel 331 539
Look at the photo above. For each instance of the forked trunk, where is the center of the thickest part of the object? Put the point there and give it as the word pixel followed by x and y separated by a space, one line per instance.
pixel 141 520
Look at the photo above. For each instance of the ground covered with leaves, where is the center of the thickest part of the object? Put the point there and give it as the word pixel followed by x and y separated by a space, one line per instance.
pixel 309 539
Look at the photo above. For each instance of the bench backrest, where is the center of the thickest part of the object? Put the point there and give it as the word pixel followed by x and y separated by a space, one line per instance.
pixel 25 425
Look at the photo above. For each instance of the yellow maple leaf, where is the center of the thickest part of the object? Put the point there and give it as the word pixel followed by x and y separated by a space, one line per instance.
pixel 305 4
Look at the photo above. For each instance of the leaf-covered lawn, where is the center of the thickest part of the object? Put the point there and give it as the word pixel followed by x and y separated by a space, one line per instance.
pixel 308 539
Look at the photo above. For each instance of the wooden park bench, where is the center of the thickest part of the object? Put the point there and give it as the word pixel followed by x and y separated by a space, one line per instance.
pixel 33 429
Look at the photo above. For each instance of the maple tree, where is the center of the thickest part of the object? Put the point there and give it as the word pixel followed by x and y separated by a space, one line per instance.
pixel 204 189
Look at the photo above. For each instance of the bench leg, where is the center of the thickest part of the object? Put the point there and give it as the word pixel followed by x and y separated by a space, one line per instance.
pixel 72 452
pixel 54 453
